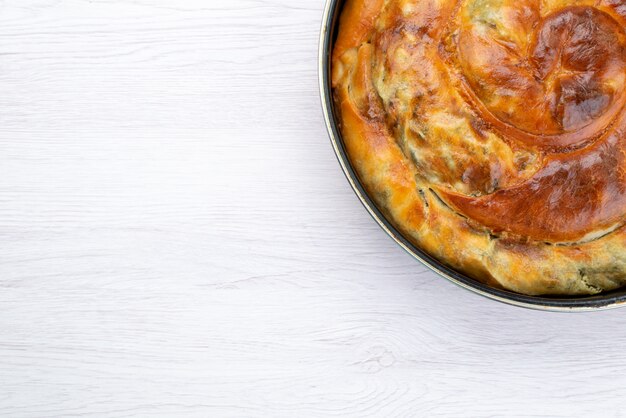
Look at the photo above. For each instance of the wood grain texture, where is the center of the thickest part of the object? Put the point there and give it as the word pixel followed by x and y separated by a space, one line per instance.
pixel 178 240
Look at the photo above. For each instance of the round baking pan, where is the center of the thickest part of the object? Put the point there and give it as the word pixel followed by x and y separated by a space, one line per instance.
pixel 564 304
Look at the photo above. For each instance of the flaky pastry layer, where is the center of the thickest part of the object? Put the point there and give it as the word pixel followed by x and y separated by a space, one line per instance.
pixel 492 133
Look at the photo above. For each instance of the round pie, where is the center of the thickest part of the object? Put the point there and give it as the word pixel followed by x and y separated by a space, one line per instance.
pixel 492 133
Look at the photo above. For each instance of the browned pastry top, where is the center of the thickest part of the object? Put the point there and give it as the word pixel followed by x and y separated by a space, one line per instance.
pixel 493 132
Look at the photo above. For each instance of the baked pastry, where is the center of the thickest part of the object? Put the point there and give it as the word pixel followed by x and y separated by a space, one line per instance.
pixel 492 133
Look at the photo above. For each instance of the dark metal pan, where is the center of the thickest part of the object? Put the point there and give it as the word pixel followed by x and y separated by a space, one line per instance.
pixel 564 304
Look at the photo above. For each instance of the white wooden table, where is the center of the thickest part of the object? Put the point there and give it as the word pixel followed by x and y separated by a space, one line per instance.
pixel 177 239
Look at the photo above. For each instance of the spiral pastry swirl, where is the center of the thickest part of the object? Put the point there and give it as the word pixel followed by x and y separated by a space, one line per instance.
pixel 493 133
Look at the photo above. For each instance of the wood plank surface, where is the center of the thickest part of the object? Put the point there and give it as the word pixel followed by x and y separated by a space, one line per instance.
pixel 177 239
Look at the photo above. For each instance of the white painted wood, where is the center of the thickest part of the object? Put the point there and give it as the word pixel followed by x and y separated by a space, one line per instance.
pixel 178 239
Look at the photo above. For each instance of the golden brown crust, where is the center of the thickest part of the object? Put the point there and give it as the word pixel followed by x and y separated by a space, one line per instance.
pixel 492 133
